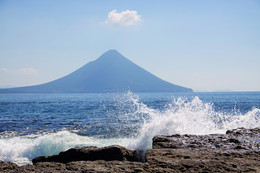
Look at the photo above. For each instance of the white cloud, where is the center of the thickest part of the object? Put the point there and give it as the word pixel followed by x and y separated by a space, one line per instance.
pixel 125 18
pixel 5 70
pixel 28 71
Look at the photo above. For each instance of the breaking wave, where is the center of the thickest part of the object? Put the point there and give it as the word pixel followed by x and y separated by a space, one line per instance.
pixel 182 116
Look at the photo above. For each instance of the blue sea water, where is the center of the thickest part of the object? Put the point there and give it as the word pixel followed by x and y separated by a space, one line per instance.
pixel 44 124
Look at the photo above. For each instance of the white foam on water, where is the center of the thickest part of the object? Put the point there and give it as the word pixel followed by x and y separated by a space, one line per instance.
pixel 181 116
pixel 189 117
pixel 21 150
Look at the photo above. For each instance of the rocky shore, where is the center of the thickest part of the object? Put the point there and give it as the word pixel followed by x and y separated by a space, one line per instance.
pixel 236 151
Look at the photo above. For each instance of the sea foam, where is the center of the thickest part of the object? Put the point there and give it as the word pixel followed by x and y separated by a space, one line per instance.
pixel 181 116
pixel 189 117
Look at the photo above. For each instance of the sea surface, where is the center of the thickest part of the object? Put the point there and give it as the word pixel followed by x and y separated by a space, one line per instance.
pixel 34 125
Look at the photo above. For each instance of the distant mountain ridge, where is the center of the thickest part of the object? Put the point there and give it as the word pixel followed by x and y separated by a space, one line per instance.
pixel 111 72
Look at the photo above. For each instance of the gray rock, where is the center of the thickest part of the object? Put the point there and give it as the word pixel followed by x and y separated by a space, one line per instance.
pixel 236 151
pixel 240 138
pixel 203 160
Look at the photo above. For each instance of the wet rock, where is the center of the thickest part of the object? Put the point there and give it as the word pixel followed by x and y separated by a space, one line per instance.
pixel 240 138
pixel 7 167
pixel 203 160
pixel 114 152
pixel 236 151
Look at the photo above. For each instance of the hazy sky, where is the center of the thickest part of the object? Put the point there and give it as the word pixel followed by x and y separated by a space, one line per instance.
pixel 201 44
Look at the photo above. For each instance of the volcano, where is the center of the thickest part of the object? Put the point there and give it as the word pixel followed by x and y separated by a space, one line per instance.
pixel 111 72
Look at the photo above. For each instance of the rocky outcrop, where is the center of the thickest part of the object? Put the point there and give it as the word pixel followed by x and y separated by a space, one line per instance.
pixel 236 151
pixel 240 138
pixel 91 153
pixel 78 167
pixel 8 167
pixel 203 160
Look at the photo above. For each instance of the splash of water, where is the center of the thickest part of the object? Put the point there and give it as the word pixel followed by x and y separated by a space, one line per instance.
pixel 180 116
pixel 21 150
pixel 189 117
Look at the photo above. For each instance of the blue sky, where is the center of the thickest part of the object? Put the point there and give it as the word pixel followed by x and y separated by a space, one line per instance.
pixel 205 45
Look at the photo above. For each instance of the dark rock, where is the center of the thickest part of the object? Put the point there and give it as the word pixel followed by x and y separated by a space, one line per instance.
pixel 109 153
pixel 7 167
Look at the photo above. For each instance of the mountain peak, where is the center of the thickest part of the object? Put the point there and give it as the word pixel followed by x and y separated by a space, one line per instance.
pixel 111 72
pixel 111 52
pixel 111 55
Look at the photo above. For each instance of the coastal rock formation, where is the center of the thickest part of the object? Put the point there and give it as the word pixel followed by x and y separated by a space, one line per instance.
pixel 236 151
pixel 240 138
pixel 8 167
pixel 203 160
pixel 114 152
pixel 78 167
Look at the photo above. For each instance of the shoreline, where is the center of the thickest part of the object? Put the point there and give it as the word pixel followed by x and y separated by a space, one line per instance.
pixel 236 151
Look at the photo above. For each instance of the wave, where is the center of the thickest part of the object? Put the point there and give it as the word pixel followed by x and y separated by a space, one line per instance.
pixel 190 117
pixel 21 150
pixel 181 116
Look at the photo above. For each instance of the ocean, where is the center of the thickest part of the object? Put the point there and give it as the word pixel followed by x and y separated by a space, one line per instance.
pixel 34 125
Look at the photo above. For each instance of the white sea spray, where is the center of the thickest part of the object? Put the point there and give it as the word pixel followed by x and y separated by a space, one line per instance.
pixel 182 116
